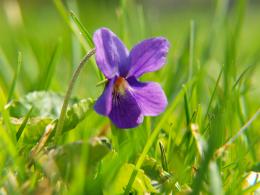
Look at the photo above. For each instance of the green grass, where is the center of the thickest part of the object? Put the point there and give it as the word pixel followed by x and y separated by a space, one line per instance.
pixel 207 140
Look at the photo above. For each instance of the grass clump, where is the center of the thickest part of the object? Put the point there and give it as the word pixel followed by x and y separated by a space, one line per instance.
pixel 207 140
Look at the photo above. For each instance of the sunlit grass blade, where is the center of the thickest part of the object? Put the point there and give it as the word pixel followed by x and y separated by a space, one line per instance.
pixel 213 94
pixel 47 75
pixel 232 38
pixel 23 125
pixel 122 18
pixel 191 48
pixel 215 179
pixel 214 140
pixel 6 69
pixel 141 20
pixel 8 142
pixel 82 29
pixel 242 75
pixel 242 130
pixel 252 189
pixel 7 133
pixel 199 140
pixel 76 27
pixel 186 107
pixel 242 113
pixel 187 137
pixel 169 142
pixel 16 74
pixel 163 157
pixel 66 17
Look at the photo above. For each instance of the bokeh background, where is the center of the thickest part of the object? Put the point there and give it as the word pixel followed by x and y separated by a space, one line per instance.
pixel 35 27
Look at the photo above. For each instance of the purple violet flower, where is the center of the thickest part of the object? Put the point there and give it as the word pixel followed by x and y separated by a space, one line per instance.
pixel 126 100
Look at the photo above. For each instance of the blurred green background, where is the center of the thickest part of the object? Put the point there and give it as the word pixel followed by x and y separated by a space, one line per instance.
pixel 34 27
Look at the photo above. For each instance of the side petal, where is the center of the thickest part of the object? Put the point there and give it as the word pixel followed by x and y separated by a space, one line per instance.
pixel 149 96
pixel 148 56
pixel 110 52
pixel 104 103
pixel 125 112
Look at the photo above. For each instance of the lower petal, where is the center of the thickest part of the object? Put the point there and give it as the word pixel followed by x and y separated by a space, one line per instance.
pixel 125 112
pixel 149 96
pixel 104 103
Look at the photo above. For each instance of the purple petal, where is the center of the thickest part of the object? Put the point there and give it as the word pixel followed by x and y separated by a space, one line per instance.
pixel 149 96
pixel 148 56
pixel 104 103
pixel 125 111
pixel 111 54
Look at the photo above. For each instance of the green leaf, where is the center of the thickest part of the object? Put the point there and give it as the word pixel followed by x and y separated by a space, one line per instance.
pixel 47 105
pixel 68 156
pixel 76 113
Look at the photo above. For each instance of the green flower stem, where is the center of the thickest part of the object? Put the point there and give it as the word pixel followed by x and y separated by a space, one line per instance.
pixel 68 94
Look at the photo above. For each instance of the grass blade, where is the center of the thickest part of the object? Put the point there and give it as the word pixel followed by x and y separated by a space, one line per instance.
pixel 191 49
pixel 186 107
pixel 23 125
pixel 215 179
pixel 48 74
pixel 75 27
pixel 82 29
pixel 238 134
pixel 8 134
pixel 213 93
pixel 163 157
pixel 66 17
pixel 242 75
pixel 5 67
pixel 252 189
pixel 15 78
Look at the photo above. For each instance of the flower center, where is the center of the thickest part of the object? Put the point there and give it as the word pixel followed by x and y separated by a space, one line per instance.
pixel 120 85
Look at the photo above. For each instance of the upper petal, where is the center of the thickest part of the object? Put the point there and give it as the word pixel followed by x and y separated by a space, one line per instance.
pixel 148 56
pixel 125 112
pixel 149 96
pixel 104 103
pixel 110 52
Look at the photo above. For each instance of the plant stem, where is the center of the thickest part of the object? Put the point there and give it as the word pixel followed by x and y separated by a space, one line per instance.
pixel 68 94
